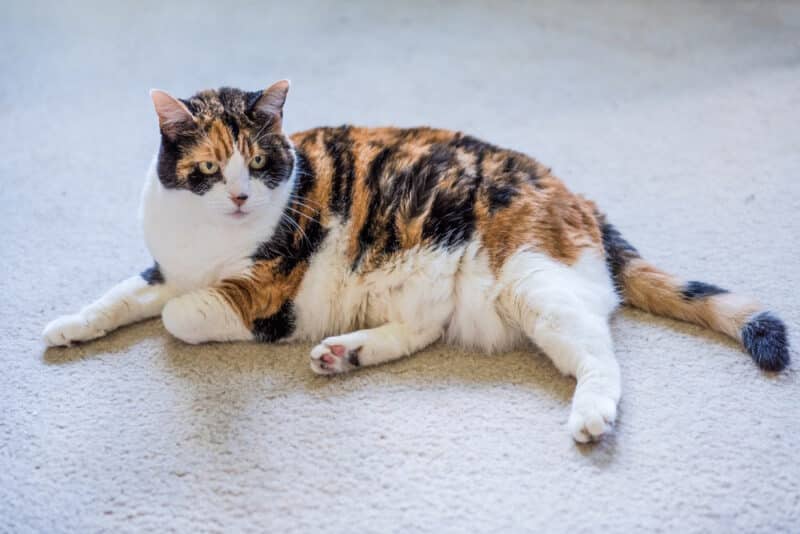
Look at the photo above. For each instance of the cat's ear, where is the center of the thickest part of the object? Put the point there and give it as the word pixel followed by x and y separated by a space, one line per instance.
pixel 270 101
pixel 173 115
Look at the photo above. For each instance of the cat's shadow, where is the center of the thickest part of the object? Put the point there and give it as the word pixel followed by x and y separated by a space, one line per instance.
pixel 117 342
pixel 435 365
pixel 284 369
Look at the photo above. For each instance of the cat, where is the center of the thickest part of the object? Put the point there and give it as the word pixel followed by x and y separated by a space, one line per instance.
pixel 377 242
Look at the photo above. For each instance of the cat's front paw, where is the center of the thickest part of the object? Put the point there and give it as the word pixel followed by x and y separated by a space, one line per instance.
pixel 183 317
pixel 69 329
pixel 202 316
pixel 332 357
pixel 592 416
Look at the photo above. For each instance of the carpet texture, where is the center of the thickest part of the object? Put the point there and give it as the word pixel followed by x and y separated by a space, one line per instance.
pixel 679 119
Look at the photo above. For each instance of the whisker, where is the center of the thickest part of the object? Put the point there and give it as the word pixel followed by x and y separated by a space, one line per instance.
pixel 299 228
pixel 259 132
pixel 301 200
pixel 300 213
pixel 301 205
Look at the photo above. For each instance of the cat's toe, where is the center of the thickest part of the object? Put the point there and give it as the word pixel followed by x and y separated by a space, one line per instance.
pixel 329 359
pixel 70 329
pixel 592 416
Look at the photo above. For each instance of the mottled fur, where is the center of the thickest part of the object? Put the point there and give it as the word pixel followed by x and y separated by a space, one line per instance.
pixel 389 239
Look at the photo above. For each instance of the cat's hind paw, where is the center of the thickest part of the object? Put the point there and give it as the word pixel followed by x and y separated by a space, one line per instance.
pixel 70 329
pixel 330 358
pixel 592 416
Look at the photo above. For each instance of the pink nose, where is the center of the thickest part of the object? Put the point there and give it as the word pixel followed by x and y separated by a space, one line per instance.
pixel 241 199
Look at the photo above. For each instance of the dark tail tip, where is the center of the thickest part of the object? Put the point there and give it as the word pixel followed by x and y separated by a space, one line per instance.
pixel 764 337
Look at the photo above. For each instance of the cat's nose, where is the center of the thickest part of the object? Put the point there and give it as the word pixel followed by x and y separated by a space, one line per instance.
pixel 241 199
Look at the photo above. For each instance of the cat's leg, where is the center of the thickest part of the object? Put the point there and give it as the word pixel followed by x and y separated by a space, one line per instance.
pixel 338 354
pixel 255 304
pixel 204 315
pixel 579 343
pixel 130 301
pixel 415 308
pixel 565 313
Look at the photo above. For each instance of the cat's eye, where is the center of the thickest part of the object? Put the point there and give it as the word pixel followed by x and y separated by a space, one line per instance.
pixel 208 167
pixel 258 162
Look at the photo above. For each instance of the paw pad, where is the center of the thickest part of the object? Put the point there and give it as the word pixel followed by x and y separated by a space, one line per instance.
pixel 331 359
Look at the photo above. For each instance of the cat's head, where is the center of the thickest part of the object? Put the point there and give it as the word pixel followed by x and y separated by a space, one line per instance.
pixel 225 149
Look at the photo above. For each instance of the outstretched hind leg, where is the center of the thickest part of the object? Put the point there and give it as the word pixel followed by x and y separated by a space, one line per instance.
pixel 372 346
pixel 411 302
pixel 564 310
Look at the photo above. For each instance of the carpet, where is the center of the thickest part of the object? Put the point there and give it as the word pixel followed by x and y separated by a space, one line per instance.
pixel 680 119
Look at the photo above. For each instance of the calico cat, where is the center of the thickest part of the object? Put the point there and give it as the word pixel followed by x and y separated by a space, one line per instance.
pixel 376 242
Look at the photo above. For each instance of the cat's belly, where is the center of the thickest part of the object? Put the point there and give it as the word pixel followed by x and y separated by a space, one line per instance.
pixel 480 319
pixel 455 289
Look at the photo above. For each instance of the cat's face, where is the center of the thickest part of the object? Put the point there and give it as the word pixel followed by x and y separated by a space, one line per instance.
pixel 225 150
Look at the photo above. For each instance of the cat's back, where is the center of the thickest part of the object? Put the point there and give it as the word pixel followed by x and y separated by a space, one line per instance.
pixel 402 188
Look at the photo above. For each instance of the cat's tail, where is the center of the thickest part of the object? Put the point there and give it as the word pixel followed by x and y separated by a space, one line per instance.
pixel 644 286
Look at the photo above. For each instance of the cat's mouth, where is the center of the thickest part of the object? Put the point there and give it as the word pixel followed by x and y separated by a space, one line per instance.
pixel 238 213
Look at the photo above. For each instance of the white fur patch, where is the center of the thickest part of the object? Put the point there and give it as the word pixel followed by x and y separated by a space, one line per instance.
pixel 237 175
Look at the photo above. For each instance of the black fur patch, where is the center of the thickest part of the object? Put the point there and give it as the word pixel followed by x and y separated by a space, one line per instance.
pixel 473 144
pixel 352 357
pixel 231 123
pixel 618 252
pixel 368 233
pixel 340 150
pixel 518 167
pixel 200 183
pixel 451 219
pixel 304 247
pixel 500 196
pixel 412 188
pixel 306 176
pixel 764 337
pixel 698 290
pixel 168 156
pixel 251 99
pixel 152 275
pixel 510 166
pixel 392 243
pixel 276 327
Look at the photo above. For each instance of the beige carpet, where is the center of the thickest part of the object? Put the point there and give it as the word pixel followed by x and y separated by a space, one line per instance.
pixel 681 120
